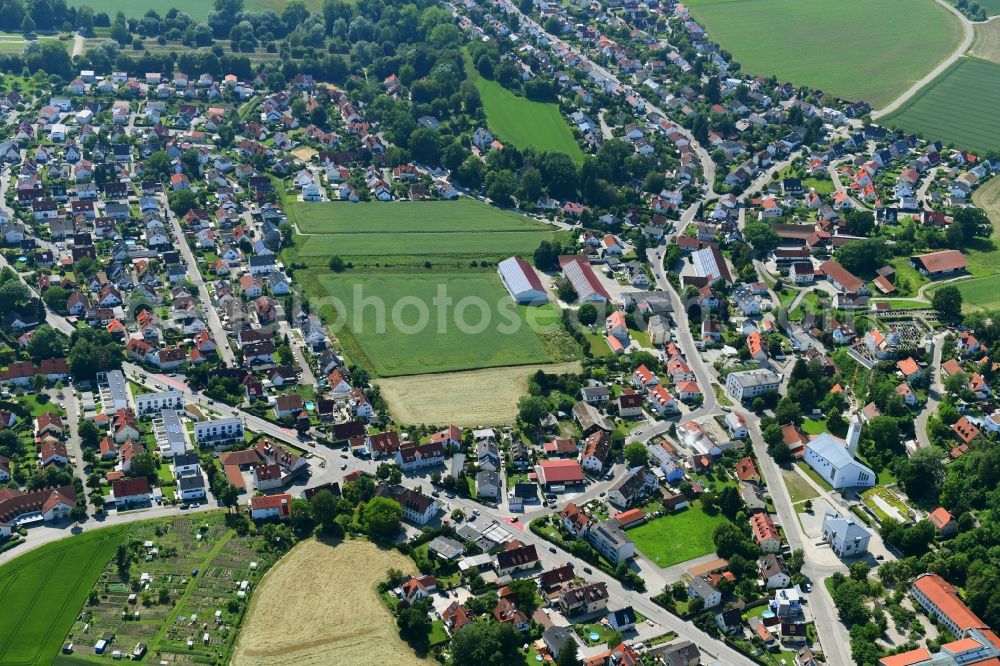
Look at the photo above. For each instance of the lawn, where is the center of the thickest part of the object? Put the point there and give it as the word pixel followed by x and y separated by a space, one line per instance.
pixel 677 537
pixel 814 427
pixel 799 489
pixel 394 326
pixel 41 593
pixel 820 481
pixel 855 49
pixel 906 272
pixel 523 122
pixel 958 107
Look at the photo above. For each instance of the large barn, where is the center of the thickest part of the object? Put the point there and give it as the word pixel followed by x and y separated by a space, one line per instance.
pixel 521 281
pixel 578 271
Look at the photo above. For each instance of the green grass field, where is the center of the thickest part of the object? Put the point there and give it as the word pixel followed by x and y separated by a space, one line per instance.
pixel 463 214
pixel 405 343
pixel 405 234
pixel 979 293
pixel 42 591
pixel 196 9
pixel 678 537
pixel 418 247
pixel 958 107
pixel 855 49
pixel 523 122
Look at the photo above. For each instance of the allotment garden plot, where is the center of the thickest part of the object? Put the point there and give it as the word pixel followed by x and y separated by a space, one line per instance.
pixel 180 593
pixel 870 50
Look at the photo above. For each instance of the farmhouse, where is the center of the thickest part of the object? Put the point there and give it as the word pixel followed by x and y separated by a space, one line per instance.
pixel 710 266
pixel 939 264
pixel 521 281
pixel 842 279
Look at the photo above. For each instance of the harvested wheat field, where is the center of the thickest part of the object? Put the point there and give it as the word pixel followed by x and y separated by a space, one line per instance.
pixel 476 397
pixel 320 605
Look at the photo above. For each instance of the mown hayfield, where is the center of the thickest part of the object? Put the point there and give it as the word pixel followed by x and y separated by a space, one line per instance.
pixel 464 214
pixel 986 43
pixel 325 600
pixel 959 107
pixel 418 247
pixel 393 323
pixel 869 50
pixel 465 399
pixel 404 234
pixel 42 591
pixel 525 123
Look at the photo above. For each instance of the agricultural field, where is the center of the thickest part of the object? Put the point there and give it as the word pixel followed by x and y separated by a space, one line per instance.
pixel 397 235
pixel 825 45
pixel 958 107
pixel 407 334
pixel 326 616
pixel 983 258
pixel 181 584
pixel 42 591
pixel 986 42
pixel 979 293
pixel 677 537
pixel 523 122
pixel 462 215
pixel 193 8
pixel 473 398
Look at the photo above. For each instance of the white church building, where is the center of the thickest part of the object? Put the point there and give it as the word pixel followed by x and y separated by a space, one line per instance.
pixel 834 460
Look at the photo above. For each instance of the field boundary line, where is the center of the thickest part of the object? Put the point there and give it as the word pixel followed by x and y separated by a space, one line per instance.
pixel 943 76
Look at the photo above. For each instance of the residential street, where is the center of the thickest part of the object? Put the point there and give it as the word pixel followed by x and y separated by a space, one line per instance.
pixel 194 275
